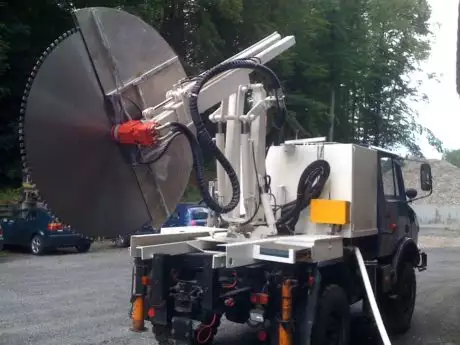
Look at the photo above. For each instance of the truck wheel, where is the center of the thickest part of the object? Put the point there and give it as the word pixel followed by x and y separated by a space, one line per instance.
pixel 398 305
pixel 332 323
pixel 37 246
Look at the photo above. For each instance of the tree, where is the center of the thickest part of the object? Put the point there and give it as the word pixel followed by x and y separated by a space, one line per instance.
pixel 352 58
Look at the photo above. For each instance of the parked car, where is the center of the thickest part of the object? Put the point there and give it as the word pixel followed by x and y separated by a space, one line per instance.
pixel 184 215
pixel 37 229
pixel 123 241
pixel 187 215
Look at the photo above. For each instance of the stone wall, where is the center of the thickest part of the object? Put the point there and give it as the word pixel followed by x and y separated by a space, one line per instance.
pixel 434 215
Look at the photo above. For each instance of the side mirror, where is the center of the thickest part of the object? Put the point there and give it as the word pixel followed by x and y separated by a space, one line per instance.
pixel 426 179
pixel 411 193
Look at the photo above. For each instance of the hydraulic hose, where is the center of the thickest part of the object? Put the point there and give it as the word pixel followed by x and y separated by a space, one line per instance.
pixel 198 164
pixel 204 139
pixel 310 186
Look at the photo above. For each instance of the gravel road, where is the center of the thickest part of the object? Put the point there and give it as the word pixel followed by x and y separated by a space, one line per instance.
pixel 69 298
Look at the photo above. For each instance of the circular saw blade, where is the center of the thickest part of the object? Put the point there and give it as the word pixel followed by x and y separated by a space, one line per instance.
pixel 80 172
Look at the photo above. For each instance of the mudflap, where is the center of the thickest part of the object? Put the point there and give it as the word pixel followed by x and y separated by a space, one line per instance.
pixel 423 261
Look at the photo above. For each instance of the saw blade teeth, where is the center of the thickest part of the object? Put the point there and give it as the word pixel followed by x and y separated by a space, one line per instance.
pixel 26 170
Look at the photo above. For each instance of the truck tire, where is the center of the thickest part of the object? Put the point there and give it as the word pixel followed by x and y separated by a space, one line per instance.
pixel 398 305
pixel 332 322
pixel 37 246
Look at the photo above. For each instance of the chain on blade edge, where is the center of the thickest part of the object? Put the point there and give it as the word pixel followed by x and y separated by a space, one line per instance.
pixel 26 171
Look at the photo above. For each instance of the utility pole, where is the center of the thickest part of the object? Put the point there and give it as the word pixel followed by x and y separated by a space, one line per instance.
pixel 332 115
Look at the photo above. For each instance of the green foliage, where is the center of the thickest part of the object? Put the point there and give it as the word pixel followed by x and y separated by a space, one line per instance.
pixel 10 195
pixel 453 157
pixel 353 54
pixel 192 194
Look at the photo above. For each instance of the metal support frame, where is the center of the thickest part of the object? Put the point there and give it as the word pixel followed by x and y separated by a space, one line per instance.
pixel 138 297
pixel 159 292
pixel 222 86
pixel 243 144
pixel 311 304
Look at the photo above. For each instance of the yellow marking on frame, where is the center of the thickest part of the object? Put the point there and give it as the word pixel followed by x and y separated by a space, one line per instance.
pixel 324 211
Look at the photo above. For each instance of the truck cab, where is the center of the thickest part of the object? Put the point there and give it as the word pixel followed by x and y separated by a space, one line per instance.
pixel 396 218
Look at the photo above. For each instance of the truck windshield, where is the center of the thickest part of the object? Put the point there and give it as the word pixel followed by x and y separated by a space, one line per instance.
pixel 199 213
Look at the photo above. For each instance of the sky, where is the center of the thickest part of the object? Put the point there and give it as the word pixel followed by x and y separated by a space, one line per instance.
pixel 442 113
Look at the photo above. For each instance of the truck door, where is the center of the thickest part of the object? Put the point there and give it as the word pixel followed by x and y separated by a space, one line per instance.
pixel 392 205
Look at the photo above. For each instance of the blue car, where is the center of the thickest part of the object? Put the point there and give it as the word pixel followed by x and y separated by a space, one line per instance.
pixel 38 230
pixel 187 215
pixel 184 215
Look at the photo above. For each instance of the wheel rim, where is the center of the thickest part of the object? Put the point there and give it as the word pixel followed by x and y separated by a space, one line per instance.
pixel 36 245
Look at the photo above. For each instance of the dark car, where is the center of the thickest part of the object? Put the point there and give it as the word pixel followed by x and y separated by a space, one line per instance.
pixel 39 230
pixel 123 241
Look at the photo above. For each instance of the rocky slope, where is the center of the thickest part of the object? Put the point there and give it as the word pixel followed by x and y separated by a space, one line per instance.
pixel 446 182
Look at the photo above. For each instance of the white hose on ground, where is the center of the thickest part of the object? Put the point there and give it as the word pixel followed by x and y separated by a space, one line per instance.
pixel 371 298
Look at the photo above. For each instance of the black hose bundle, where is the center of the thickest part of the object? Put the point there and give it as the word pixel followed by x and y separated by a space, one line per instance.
pixel 311 184
pixel 203 138
pixel 198 164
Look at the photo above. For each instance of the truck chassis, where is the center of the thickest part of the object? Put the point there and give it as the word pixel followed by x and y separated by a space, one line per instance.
pixel 185 296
